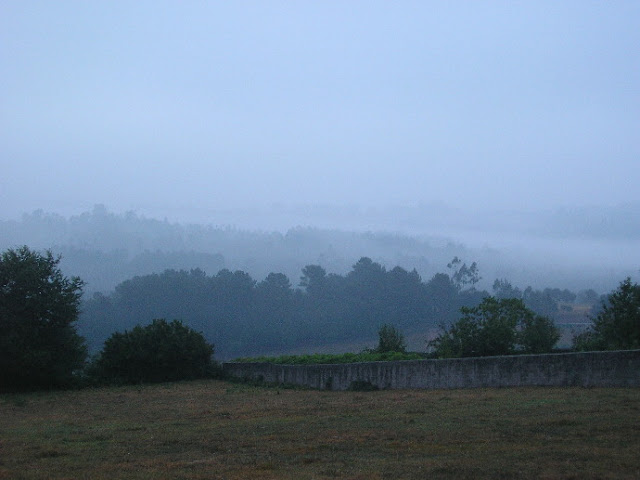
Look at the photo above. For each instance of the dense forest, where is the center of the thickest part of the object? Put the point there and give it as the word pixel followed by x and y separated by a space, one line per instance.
pixel 256 292
pixel 244 317
pixel 165 327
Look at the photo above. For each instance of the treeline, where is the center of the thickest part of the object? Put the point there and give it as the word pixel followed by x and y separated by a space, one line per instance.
pixel 104 249
pixel 245 317
pixel 41 347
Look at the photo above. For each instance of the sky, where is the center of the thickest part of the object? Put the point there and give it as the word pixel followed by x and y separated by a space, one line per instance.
pixel 202 106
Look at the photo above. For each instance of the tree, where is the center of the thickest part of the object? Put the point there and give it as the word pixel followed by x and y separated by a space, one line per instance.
pixel 273 308
pixel 502 288
pixel 537 334
pixel 39 346
pixel 366 294
pixel 390 340
pixel 617 326
pixel 313 279
pixel 463 275
pixel 159 352
pixel 496 327
pixel 588 297
pixel 443 298
pixel 540 302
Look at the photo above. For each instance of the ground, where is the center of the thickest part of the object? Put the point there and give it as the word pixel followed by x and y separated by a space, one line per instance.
pixel 220 430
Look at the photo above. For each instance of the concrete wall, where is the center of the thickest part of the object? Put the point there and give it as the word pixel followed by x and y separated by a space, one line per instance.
pixel 591 369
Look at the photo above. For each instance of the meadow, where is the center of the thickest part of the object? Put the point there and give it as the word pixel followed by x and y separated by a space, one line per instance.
pixel 220 430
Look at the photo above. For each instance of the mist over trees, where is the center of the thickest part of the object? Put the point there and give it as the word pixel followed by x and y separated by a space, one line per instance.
pixel 245 317
pixel 105 249
pixel 242 316
pixel 40 307
pixel 258 292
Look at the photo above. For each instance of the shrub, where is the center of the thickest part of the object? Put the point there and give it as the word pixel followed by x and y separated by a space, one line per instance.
pixel 390 340
pixel 160 352
pixel 318 358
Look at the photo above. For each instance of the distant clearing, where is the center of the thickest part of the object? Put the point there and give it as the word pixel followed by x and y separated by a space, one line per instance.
pixel 213 429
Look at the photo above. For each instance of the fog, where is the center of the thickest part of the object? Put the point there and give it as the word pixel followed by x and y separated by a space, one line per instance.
pixel 574 250
pixel 496 125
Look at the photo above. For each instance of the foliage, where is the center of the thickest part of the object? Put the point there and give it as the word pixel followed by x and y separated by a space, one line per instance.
pixel 617 326
pixel 39 346
pixel 244 317
pixel 496 327
pixel 543 302
pixel 390 340
pixel 502 288
pixel 462 274
pixel 537 334
pixel 320 358
pixel 160 352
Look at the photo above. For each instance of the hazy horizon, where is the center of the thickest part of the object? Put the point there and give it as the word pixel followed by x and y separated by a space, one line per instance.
pixel 586 248
pixel 189 108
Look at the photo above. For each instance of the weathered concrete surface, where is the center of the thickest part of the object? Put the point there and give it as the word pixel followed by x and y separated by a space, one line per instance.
pixel 590 369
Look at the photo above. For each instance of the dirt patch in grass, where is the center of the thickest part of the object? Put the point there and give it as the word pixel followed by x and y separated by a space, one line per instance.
pixel 213 429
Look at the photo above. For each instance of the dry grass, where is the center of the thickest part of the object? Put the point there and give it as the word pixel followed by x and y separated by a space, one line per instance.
pixel 214 429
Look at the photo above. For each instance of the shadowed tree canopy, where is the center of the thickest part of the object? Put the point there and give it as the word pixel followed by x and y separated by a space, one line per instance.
pixel 390 340
pixel 159 352
pixel 496 327
pixel 39 346
pixel 245 317
pixel 617 326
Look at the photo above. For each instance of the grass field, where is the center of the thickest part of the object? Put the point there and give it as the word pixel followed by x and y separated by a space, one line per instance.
pixel 213 429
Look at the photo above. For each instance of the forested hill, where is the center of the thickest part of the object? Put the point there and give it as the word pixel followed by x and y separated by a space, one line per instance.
pixel 245 317
pixel 105 249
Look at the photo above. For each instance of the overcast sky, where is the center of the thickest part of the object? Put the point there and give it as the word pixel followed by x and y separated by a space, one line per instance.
pixel 152 105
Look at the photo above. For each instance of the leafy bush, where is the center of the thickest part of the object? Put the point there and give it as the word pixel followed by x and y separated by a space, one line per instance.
pixel 390 340
pixel 496 327
pixel 160 352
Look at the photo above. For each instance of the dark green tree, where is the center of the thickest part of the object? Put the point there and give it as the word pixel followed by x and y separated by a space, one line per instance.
pixel 390 340
pixel 39 346
pixel 443 299
pixel 313 279
pixel 537 333
pixel 273 309
pixel 617 326
pixel 159 352
pixel 496 327
pixel 366 294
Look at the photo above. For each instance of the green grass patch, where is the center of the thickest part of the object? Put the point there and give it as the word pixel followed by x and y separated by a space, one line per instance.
pixel 323 358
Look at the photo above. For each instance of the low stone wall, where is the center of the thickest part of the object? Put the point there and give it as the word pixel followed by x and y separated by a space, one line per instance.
pixel 590 369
